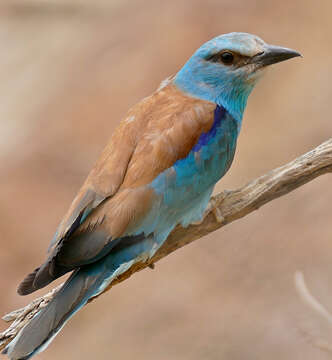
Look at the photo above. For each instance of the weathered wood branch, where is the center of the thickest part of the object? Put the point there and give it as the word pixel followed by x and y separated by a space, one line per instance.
pixel 223 209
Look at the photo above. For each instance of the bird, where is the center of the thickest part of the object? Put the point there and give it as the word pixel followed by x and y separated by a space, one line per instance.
pixel 158 170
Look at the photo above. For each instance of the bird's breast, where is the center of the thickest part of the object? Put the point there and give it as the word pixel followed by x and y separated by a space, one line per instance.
pixel 206 163
pixel 185 188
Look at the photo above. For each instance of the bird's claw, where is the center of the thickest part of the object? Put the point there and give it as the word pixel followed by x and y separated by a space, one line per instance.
pixel 213 207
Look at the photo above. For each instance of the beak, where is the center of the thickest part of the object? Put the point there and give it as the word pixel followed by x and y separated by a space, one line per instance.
pixel 274 54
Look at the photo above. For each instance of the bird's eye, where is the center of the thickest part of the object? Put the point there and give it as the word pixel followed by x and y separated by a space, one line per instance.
pixel 227 58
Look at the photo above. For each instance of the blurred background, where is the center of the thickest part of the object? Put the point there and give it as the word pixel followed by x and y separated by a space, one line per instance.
pixel 69 70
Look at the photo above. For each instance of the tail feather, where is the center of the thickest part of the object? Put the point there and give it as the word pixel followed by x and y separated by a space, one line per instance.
pixel 41 330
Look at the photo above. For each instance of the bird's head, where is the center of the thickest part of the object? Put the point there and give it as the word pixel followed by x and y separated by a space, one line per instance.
pixel 225 69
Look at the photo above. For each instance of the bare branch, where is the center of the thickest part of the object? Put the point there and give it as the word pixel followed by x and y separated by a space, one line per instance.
pixel 223 209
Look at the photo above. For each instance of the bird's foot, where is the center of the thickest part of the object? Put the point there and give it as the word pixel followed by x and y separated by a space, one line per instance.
pixel 151 266
pixel 213 207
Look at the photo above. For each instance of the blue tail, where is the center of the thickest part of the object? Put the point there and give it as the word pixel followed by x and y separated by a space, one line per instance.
pixel 84 284
pixel 41 330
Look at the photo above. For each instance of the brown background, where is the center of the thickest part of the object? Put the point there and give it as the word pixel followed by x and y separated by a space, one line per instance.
pixel 69 70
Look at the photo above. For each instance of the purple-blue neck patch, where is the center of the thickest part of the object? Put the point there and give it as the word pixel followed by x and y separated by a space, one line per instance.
pixel 219 115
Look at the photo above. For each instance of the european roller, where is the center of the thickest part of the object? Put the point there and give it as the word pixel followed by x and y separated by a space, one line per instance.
pixel 158 170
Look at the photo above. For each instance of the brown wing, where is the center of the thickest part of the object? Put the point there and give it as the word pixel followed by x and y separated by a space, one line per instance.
pixel 173 124
pixel 157 132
